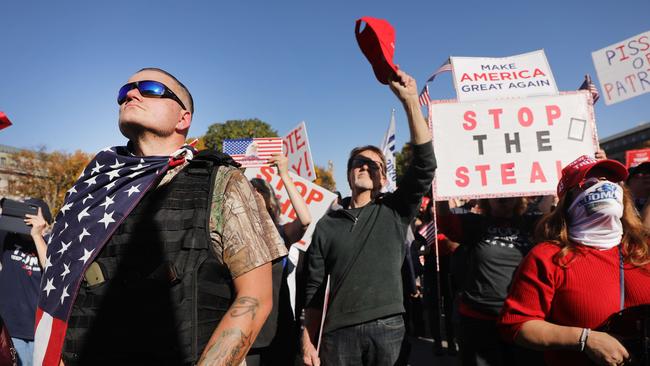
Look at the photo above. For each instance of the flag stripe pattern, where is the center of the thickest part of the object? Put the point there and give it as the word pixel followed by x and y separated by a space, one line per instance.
pixel 428 231
pixel 253 151
pixel 425 99
pixel 445 67
pixel 106 192
pixel 589 85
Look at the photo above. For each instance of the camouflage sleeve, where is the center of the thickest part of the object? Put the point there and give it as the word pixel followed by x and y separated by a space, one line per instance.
pixel 242 232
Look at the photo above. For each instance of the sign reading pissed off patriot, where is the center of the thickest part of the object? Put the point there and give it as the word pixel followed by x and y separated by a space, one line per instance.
pixel 483 78
pixel 509 147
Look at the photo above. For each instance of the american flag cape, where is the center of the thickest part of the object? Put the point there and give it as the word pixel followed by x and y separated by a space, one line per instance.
pixel 253 151
pixel 591 87
pixel 106 192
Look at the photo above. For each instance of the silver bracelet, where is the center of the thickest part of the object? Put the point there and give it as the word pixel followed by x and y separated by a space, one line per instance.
pixel 583 339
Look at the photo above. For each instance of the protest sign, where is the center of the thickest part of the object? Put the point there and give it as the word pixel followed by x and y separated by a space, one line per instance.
pixel 317 198
pixel 624 68
pixel 252 151
pixel 636 157
pixel 298 152
pixel 483 78
pixel 510 147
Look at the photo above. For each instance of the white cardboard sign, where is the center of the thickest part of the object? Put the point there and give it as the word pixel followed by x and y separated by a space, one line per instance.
pixel 624 68
pixel 297 151
pixel 514 147
pixel 484 78
pixel 318 199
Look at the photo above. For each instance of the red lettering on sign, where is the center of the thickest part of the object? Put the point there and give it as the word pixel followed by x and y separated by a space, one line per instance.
pixel 495 113
pixel 507 173
pixel 314 196
pixel 552 113
pixel 525 116
pixel 536 173
pixel 470 120
pixel 462 178
pixel 483 170
pixel 297 168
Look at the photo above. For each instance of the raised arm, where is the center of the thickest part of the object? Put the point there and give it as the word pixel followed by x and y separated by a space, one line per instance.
pixel 39 225
pixel 405 88
pixel 294 230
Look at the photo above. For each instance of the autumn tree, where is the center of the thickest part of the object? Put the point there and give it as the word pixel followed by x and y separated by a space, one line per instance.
pixel 325 178
pixel 45 175
pixel 403 160
pixel 234 129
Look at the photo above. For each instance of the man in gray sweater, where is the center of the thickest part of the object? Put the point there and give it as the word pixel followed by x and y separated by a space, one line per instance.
pixel 361 248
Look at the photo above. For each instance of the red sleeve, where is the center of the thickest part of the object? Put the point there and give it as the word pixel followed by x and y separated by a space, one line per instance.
pixel 531 292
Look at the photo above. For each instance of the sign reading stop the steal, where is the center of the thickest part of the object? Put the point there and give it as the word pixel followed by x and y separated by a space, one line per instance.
pixel 318 199
pixel 297 151
pixel 512 147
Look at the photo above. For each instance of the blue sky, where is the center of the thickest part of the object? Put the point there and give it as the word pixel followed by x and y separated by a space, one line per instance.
pixel 62 62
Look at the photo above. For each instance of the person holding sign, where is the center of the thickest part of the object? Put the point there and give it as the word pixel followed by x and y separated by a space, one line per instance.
pixel 593 260
pixel 277 342
pixel 361 248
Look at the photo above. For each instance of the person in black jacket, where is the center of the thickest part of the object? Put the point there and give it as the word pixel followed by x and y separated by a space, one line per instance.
pixel 361 249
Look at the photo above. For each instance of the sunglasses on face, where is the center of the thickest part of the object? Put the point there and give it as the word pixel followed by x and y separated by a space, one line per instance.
pixel 358 162
pixel 148 88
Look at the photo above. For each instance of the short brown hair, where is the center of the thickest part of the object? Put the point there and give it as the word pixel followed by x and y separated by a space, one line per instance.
pixel 358 150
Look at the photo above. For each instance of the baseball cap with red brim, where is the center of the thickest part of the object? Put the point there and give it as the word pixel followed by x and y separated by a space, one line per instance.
pixel 377 42
pixel 574 173
pixel 4 121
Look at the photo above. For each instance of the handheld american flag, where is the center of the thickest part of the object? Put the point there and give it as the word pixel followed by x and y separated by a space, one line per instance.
pixel 591 87
pixel 428 232
pixel 106 192
pixel 253 151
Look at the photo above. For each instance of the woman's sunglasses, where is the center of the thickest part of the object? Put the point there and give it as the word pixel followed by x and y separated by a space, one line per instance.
pixel 148 88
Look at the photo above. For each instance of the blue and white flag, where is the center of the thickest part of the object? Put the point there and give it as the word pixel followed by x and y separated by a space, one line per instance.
pixel 388 148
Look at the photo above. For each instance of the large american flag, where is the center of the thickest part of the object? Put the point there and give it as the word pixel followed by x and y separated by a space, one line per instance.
pixel 252 151
pixel 591 87
pixel 108 189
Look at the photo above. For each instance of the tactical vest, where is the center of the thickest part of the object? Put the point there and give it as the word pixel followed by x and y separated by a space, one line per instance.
pixel 164 292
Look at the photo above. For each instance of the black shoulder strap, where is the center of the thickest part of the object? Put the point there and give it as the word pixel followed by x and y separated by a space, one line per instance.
pixel 217 157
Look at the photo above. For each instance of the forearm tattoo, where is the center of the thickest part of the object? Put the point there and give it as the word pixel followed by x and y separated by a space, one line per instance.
pixel 244 305
pixel 229 349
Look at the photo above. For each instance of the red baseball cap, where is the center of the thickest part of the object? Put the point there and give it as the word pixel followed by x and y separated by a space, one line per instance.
pixel 4 121
pixel 377 42
pixel 576 171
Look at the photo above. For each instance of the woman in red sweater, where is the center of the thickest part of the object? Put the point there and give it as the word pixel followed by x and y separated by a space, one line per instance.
pixel 571 282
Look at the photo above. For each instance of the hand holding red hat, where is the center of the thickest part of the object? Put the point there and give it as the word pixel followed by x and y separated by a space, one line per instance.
pixel 404 86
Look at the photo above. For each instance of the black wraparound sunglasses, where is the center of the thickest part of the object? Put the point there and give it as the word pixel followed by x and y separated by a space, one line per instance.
pixel 148 88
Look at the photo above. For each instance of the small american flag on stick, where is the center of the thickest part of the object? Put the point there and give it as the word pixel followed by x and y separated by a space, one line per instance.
pixel 253 151
pixel 425 99
pixel 591 87
pixel 428 231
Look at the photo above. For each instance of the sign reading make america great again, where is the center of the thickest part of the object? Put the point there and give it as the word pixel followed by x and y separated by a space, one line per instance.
pixel 484 78
pixel 624 68
pixel 514 147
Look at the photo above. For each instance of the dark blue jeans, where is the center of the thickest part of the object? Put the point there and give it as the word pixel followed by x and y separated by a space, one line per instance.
pixel 375 343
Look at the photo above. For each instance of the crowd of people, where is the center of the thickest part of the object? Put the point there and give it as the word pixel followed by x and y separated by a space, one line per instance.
pixel 194 270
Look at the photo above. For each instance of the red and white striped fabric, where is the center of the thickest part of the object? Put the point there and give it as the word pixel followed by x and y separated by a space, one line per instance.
pixel 425 99
pixel 428 231
pixel 253 151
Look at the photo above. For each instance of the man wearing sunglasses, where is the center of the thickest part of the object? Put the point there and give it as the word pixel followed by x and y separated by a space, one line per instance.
pixel 201 289
pixel 361 248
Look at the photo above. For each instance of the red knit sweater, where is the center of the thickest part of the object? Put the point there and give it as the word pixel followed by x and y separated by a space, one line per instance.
pixel 583 295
